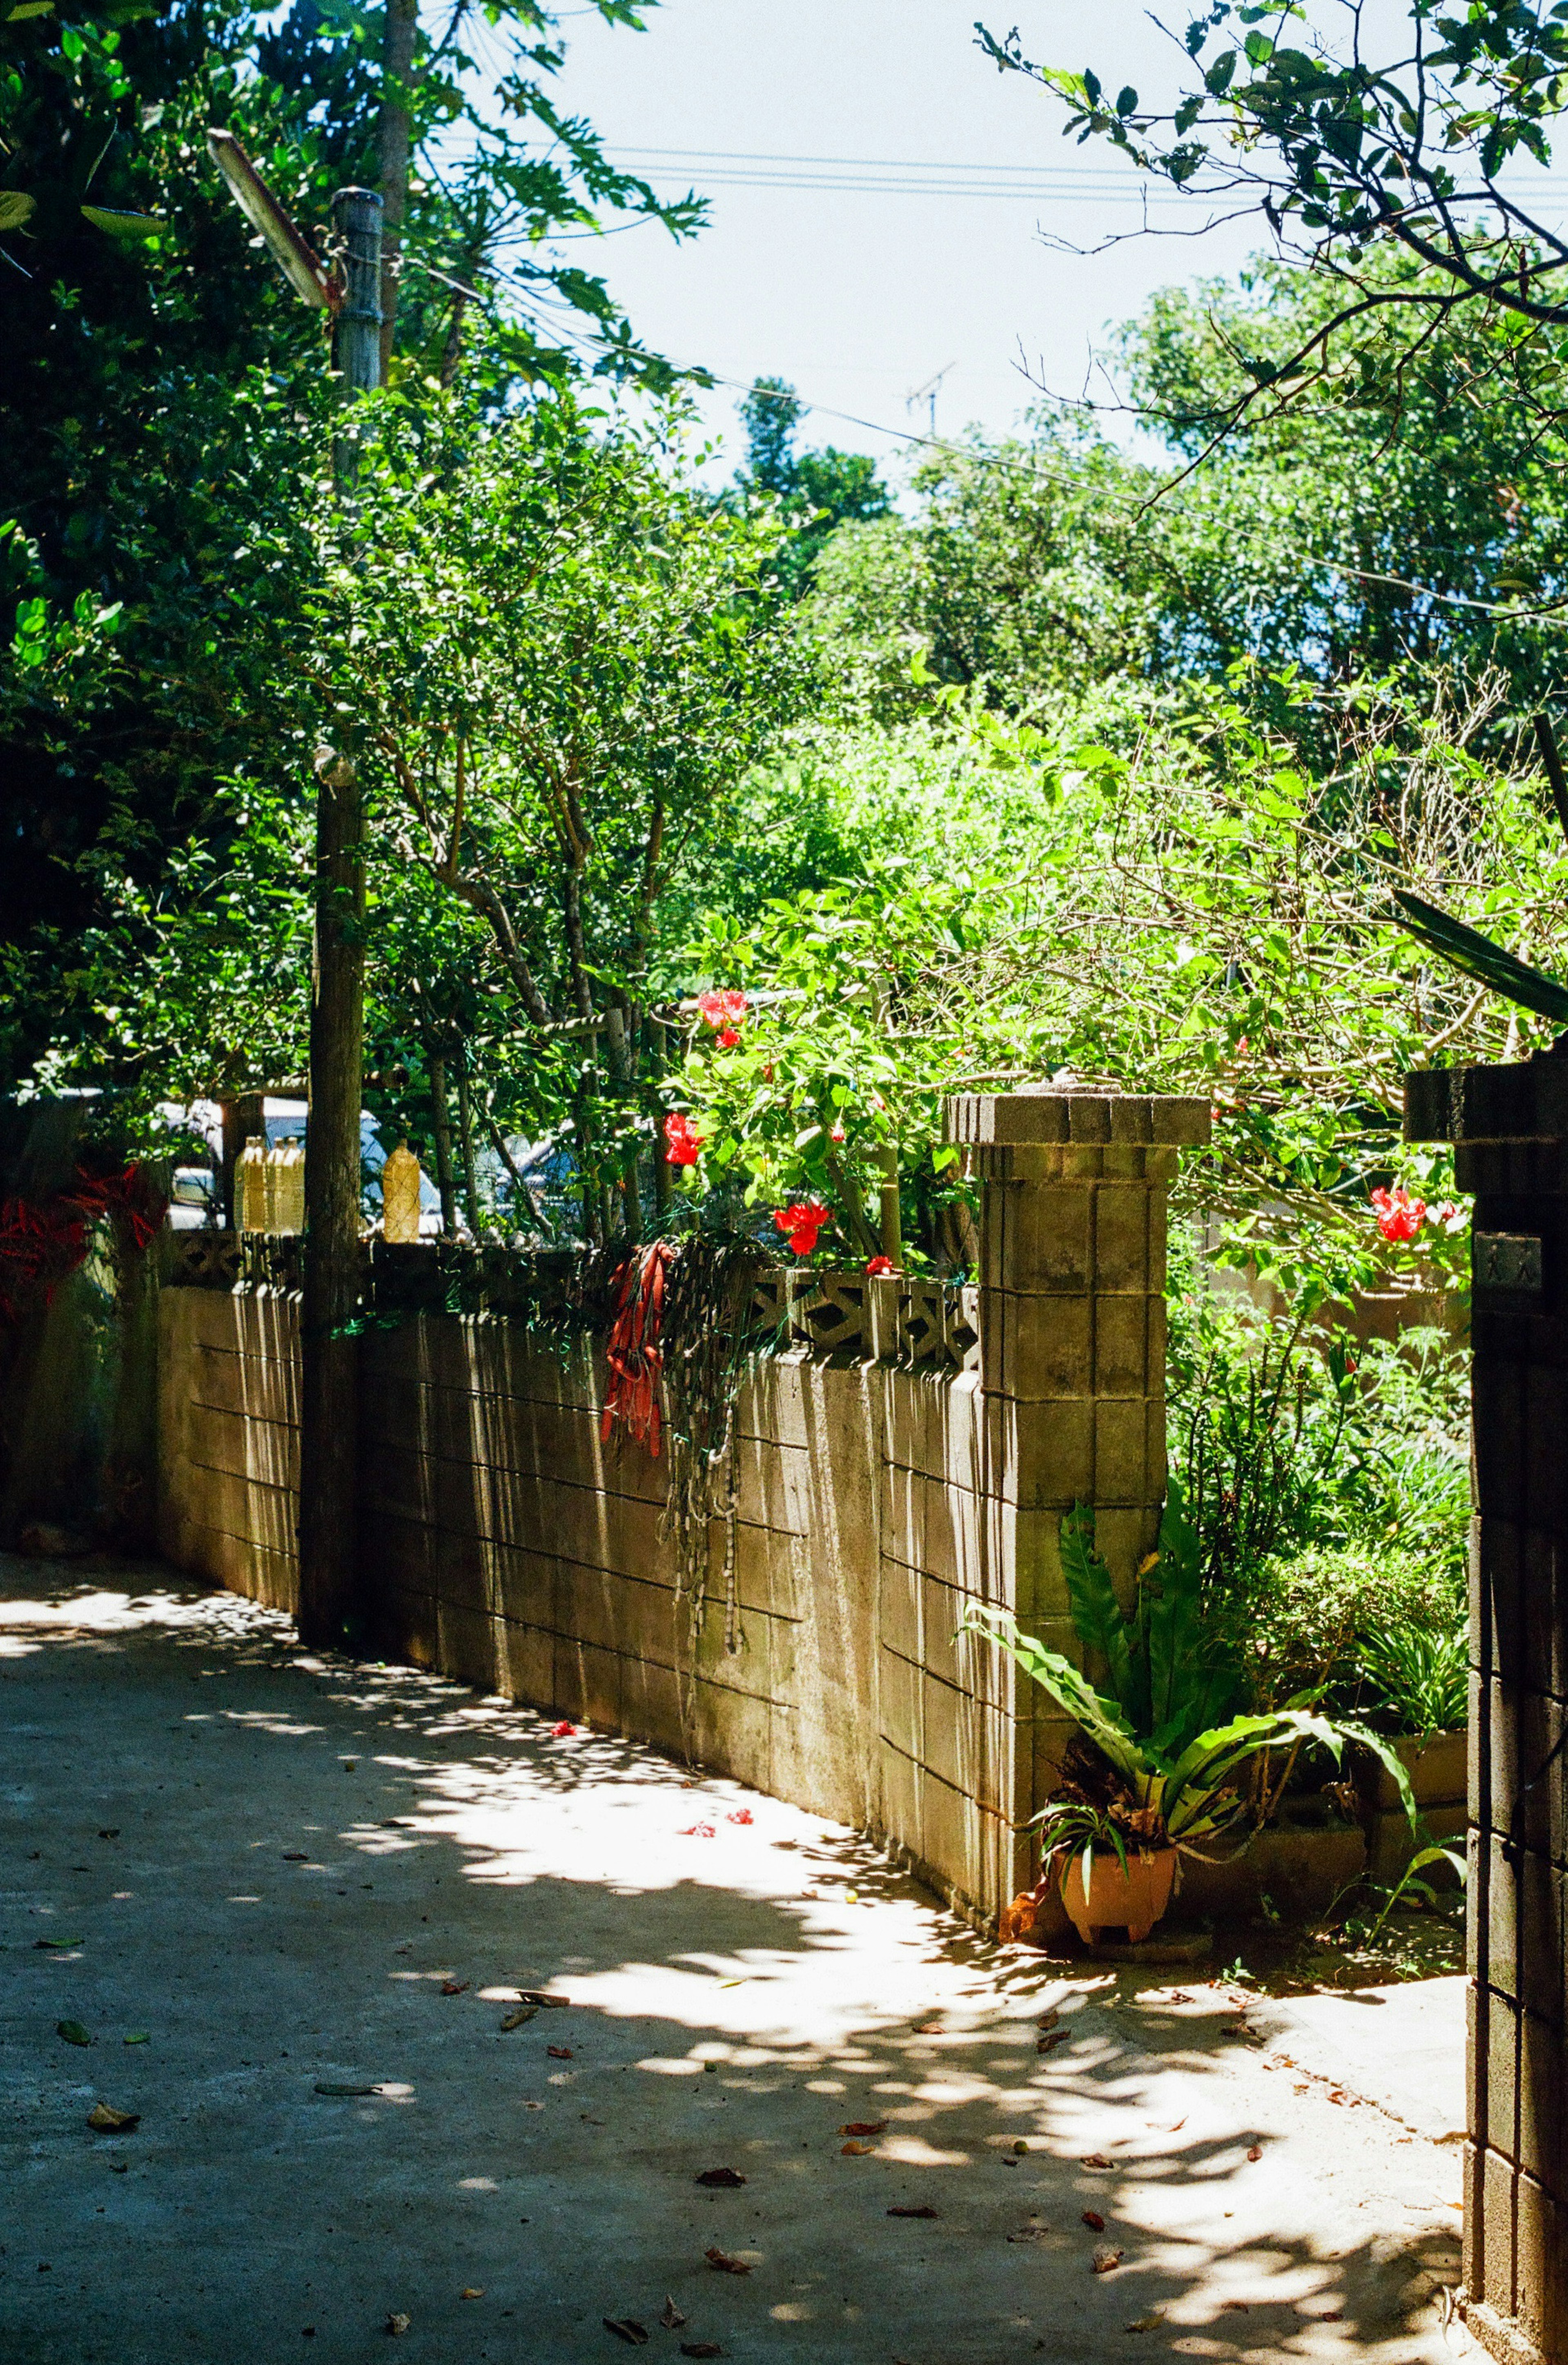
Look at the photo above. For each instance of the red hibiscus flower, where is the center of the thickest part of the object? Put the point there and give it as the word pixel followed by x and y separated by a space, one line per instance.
pixel 1399 1217
pixel 725 1012
pixel 800 1224
pixel 683 1146
pixel 878 1267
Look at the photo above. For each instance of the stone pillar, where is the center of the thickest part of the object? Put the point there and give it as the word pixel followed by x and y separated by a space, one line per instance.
pixel 1509 1128
pixel 1072 1364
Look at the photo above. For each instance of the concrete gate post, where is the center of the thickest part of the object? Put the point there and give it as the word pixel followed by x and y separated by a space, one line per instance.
pixel 1509 1128
pixel 1071 1361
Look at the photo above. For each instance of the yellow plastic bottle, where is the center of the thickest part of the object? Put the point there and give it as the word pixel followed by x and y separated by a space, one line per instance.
pixel 251 1186
pixel 400 1195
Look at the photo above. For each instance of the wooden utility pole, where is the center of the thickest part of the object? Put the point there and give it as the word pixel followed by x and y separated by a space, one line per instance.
pixel 328 1425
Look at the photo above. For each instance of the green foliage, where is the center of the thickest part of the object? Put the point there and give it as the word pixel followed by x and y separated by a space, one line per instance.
pixel 1421 1677
pixel 816 491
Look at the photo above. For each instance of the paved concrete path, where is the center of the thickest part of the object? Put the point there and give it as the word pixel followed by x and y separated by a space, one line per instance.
pixel 317 1889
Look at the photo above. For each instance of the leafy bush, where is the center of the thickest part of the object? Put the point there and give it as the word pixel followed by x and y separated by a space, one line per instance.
pixel 1329 1486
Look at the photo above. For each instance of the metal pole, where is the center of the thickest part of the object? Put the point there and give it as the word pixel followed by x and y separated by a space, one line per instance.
pixel 329 1425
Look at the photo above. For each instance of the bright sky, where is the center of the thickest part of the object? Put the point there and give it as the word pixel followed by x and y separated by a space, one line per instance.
pixel 860 295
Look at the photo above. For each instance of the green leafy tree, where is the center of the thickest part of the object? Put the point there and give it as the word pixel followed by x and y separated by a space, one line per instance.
pixel 816 491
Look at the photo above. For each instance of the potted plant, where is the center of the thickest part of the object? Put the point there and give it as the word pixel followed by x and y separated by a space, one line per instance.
pixel 1157 1778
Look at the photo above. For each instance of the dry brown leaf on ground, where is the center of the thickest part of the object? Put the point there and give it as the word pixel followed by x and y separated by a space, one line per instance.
pixel 670 2316
pixel 719 2178
pixel 1093 2218
pixel 1235 2307
pixel 627 2328
pixel 924 2210
pixel 471 2291
pixel 397 2323
pixel 72 2032
pixel 1051 2039
pixel 454 1987
pixel 111 2122
pixel 855 2150
pixel 1150 2323
pixel 520 2018
pixel 542 2001
pixel 1049 2019
pixel 864 2127
pixel 1104 2258
pixel 1254 2151
pixel 723 2264
pixel 559 2052
pixel 1095 2159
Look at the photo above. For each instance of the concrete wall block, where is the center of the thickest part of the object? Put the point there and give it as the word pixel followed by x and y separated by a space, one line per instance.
pixel 588 1683
pixel 402 1625
pixel 267 1328
pixel 266 1450
pixel 1471 2268
pixel 265 1516
pixel 525 1663
pixel 900 1617
pixel 1529 1620
pixel 900 1704
pixel 746 1670
pixel 228 1382
pixel 1122 1344
pixel 903 1516
pixel 909 1405
pixel 733 1731
pixel 1121 1237
pixel 395 1550
pixel 959 1451
pixel 954 1833
pixel 969 1742
pixel 1503 2038
pixel 1535 2260
pixel 528 1583
pixel 1502 1924
pixel 1122 1472
pixel 1540 2097
pixel 1047 1344
pixel 903 1786
pixel 955 1526
pixel 772 1402
pixel 775 1485
pixel 651 1704
pixel 467 1644
pixel 773 1573
pixel 1498 2181
pixel 1045 1238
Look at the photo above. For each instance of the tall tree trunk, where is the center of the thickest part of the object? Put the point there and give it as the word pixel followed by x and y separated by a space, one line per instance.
pixel 329 1353
pixel 397 159
pixel 440 1125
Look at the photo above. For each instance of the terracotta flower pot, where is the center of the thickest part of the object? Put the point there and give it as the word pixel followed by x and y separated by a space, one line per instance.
pixel 1134 1900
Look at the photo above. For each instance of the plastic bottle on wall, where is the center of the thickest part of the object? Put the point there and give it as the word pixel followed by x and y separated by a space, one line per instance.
pixel 285 1187
pixel 251 1186
pixel 400 1195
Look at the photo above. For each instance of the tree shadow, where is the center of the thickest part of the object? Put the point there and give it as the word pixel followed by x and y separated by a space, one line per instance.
pixel 339 2136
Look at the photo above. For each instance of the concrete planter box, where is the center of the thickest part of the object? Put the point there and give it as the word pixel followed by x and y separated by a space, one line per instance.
pixel 1300 1871
pixel 1437 1763
pixel 1438 1767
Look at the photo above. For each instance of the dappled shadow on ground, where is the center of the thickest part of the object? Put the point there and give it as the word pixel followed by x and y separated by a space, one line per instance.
pixel 335 1882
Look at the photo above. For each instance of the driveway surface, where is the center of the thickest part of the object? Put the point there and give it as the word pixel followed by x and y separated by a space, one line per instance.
pixel 292 1903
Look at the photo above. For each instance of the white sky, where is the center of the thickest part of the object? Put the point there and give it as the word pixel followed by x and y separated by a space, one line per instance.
pixel 858 299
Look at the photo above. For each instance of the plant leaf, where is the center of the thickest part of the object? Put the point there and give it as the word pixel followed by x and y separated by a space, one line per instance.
pixel 1390 1760
pixel 1102 1719
pixel 15 208
pixel 1096 1613
pixel 1179 1684
pixel 123 225
pixel 1477 957
pixel 1207 1763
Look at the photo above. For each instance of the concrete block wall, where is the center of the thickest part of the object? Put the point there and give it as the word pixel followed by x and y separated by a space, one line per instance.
pixel 502 1542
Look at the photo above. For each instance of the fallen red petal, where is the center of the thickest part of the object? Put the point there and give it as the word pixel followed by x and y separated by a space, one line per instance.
pixel 741 1815
pixel 454 1987
pixel 559 2052
pixel 1093 2217
pixel 723 2264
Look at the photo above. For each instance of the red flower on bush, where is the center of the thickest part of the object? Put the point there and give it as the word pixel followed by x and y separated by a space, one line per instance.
pixel 800 1224
pixel 1399 1217
pixel 682 1146
pixel 878 1267
pixel 725 1011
